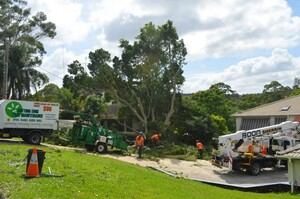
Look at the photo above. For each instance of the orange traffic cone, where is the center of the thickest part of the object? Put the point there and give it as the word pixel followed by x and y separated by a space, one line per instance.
pixel 33 168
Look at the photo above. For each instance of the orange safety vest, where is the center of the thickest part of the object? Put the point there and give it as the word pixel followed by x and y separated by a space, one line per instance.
pixel 199 146
pixel 250 148
pixel 139 141
pixel 155 137
pixel 264 150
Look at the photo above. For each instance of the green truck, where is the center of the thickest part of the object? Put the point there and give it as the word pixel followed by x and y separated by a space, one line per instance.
pixel 95 137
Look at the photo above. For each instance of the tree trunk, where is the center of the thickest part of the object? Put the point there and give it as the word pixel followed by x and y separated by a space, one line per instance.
pixel 171 111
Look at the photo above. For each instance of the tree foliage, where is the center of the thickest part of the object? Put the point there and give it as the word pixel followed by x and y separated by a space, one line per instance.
pixel 20 33
pixel 215 100
pixel 50 93
pixel 94 105
pixel 78 80
pixel 275 91
pixel 148 75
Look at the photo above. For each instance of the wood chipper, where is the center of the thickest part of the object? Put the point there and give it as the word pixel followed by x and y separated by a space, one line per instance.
pixel 95 137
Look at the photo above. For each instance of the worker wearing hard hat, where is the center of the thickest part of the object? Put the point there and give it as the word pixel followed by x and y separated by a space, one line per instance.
pixel 139 143
pixel 200 148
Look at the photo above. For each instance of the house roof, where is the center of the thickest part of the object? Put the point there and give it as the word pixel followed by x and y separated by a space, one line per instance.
pixel 293 153
pixel 284 107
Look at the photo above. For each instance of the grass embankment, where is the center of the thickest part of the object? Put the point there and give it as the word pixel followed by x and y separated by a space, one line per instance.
pixel 91 176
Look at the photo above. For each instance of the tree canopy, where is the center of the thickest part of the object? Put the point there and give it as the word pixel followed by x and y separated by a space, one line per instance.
pixel 20 35
pixel 146 78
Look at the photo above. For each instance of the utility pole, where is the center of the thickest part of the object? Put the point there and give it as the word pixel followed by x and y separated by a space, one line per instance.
pixel 5 70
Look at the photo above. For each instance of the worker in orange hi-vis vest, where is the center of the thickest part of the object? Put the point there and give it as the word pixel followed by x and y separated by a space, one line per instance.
pixel 200 148
pixel 139 143
pixel 263 150
pixel 155 138
pixel 250 148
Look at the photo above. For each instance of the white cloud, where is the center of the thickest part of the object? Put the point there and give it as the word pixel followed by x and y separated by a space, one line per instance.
pixel 55 65
pixel 249 76
pixel 106 11
pixel 232 27
pixel 67 16
pixel 210 29
pixel 111 47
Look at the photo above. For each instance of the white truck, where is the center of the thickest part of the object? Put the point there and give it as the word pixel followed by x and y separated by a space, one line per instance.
pixel 233 149
pixel 30 120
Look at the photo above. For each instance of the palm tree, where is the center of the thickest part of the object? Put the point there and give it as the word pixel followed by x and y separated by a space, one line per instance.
pixel 22 75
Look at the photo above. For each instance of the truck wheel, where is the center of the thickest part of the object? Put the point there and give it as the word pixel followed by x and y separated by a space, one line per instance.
pixel 254 169
pixel 101 147
pixel 34 138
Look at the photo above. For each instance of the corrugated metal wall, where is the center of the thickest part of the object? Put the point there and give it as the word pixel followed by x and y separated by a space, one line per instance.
pixel 253 123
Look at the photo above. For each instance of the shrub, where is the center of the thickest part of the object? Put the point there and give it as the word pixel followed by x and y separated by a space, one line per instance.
pixel 59 138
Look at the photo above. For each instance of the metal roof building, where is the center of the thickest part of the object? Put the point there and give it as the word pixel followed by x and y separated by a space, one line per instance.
pixel 269 114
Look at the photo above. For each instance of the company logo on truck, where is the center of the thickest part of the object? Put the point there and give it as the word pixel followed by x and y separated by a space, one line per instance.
pixel 260 133
pixel 12 109
pixel 15 109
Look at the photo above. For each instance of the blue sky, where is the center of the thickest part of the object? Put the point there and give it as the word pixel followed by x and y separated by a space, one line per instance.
pixel 245 44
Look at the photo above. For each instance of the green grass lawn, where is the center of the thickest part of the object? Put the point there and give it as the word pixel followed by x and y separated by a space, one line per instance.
pixel 93 176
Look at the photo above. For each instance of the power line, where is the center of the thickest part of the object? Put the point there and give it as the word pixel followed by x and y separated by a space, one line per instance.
pixel 51 73
pixel 56 75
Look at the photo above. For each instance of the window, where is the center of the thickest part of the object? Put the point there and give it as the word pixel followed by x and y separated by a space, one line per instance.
pixel 285 108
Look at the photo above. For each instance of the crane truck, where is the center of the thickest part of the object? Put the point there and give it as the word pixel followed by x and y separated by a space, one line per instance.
pixel 30 120
pixel 234 151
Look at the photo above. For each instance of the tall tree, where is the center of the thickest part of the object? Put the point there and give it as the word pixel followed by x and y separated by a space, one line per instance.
pixel 148 75
pixel 219 101
pixel 22 32
pixel 79 81
pixel 50 93
pixel 296 83
pixel 275 91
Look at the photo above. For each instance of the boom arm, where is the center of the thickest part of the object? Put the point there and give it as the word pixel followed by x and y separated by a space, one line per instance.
pixel 230 142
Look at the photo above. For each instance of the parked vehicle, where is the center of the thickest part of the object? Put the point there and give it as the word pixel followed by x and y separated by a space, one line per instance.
pixel 234 152
pixel 30 120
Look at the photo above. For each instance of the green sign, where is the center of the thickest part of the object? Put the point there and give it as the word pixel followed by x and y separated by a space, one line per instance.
pixel 15 109
pixel 12 109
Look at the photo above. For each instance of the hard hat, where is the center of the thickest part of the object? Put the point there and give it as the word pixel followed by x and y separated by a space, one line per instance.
pixel 141 132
